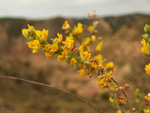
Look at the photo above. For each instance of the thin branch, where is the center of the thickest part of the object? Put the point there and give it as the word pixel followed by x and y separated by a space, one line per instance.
pixel 50 86
pixel 126 97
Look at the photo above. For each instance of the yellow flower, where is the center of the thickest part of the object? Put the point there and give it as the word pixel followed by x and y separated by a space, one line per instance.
pixel 77 29
pixel 111 99
pixel 65 52
pixel 60 38
pixel 81 49
pixel 31 28
pixel 143 42
pixel 66 26
pixel 146 111
pixel 68 42
pixel 147 69
pixel 47 47
pixel 99 46
pixel 83 53
pixel 108 76
pixel 118 111
pixel 99 59
pixel 45 33
pixel 109 65
pixel 147 98
pixel 49 55
pixel 38 33
pixel 25 33
pixel 86 54
pixel 111 88
pixel 94 65
pixel 91 29
pixel 93 38
pixel 82 72
pixel 144 49
pixel 102 83
pixel 42 35
pixel 60 58
pixel 54 47
pixel 86 41
pixel 35 45
pixel 73 61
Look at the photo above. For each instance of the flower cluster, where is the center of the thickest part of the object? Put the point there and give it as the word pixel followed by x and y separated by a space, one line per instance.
pixel 146 46
pixel 148 103
pixel 146 50
pixel 66 50
pixel 75 50
pixel 36 38
pixel 146 41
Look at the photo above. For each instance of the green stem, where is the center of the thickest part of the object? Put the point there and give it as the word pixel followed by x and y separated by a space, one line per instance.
pixel 118 103
pixel 126 98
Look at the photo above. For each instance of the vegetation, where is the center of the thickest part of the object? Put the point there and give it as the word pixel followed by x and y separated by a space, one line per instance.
pixel 76 51
pixel 16 60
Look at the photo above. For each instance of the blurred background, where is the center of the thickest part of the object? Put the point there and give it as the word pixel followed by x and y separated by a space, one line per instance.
pixel 121 26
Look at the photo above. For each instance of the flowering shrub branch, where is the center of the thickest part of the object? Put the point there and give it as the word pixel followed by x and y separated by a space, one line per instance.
pixel 146 51
pixel 75 50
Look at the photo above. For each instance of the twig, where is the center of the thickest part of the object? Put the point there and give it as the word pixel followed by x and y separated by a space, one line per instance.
pixel 127 100
pixel 50 86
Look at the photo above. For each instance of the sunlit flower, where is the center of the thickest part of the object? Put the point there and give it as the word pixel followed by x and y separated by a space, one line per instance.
pixel 25 33
pixel 66 25
pixel 147 97
pixel 82 72
pixel 47 47
pixel 147 69
pixel 42 35
pixel 118 111
pixel 60 38
pixel 60 58
pixel 143 42
pixel 99 46
pixel 86 54
pixel 111 88
pixel 111 99
pixel 31 28
pixel 99 59
pixel 69 42
pixel 144 49
pixel 146 110
pixel 86 41
pixel 35 45
pixel 38 33
pixel 65 52
pixel 102 83
pixel 54 47
pixel 73 61
pixel 94 64
pixel 77 29
pixel 91 28
pixel 49 55
pixel 93 38
pixel 109 65
pixel 81 49
pixel 45 33
pixel 82 66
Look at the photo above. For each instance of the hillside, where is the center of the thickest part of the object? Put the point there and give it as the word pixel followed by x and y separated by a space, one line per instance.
pixel 121 37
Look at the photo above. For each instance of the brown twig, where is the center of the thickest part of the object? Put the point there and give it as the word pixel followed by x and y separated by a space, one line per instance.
pixel 50 86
